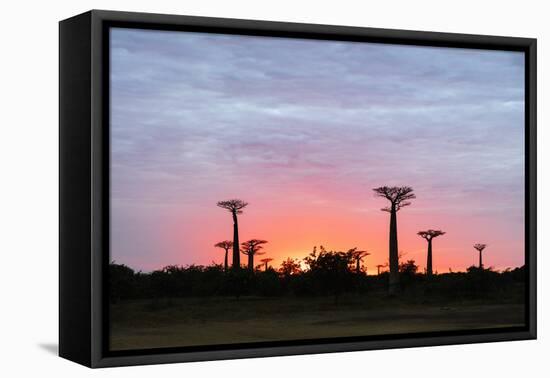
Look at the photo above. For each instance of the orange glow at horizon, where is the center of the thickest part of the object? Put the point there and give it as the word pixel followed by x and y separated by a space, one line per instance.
pixel 293 234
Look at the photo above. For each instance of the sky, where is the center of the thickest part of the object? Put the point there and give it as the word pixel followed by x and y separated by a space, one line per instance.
pixel 303 130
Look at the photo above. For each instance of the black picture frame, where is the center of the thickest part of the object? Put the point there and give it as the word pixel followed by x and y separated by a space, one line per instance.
pixel 84 184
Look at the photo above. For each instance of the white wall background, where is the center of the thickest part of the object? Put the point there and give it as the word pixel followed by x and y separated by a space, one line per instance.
pixel 29 174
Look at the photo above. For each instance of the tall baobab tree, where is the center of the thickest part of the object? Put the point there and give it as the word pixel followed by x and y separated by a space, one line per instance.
pixel 266 261
pixel 358 257
pixel 235 207
pixel 429 235
pixel 378 268
pixel 252 248
pixel 399 197
pixel 480 248
pixel 226 245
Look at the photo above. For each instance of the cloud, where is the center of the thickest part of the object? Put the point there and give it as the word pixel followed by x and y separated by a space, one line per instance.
pixel 202 116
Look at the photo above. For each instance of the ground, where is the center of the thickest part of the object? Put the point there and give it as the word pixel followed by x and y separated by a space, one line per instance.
pixel 147 324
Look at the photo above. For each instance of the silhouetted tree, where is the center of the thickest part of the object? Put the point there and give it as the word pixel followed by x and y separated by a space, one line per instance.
pixel 121 279
pixel 239 282
pixel 226 245
pixel 268 283
pixel 378 268
pixel 408 271
pixel 331 270
pixel 266 261
pixel 328 273
pixel 480 248
pixel 429 235
pixel 251 248
pixel 358 257
pixel 235 207
pixel 290 267
pixel 408 267
pixel 399 197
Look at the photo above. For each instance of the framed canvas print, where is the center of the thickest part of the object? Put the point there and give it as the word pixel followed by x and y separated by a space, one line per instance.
pixel 234 188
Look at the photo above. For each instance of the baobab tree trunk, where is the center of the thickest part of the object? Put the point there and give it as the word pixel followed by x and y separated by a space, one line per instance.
pixel 394 255
pixel 236 244
pixel 266 266
pixel 251 262
pixel 480 261
pixel 225 260
pixel 429 270
pixel 358 267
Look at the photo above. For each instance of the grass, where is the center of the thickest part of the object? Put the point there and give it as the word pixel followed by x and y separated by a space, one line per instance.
pixel 223 320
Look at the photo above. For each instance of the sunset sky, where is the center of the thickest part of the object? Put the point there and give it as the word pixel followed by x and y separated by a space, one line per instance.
pixel 303 130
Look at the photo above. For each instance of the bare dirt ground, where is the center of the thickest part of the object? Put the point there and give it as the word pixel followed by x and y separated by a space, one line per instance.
pixel 208 321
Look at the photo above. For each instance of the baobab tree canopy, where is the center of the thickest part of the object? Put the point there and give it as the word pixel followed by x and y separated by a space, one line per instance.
pixel 358 257
pixel 399 196
pixel 360 254
pixel 252 247
pixel 266 261
pixel 233 205
pixel 480 247
pixel 430 234
pixel 226 244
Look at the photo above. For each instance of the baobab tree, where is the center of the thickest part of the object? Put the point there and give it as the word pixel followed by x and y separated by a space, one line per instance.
pixel 266 261
pixel 399 197
pixel 235 207
pixel 252 248
pixel 226 245
pixel 480 248
pixel 379 266
pixel 429 235
pixel 358 257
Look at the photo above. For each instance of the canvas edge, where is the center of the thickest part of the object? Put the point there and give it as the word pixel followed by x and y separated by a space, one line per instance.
pixel 531 180
pixel 75 334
